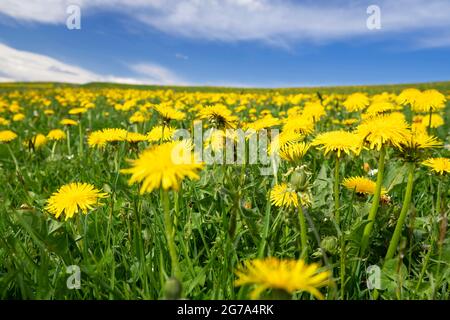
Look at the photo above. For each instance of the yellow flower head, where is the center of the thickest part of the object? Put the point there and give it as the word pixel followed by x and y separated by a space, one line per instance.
pixel 3 121
pixel 299 124
pixel 287 275
pixel 77 111
pixel 56 134
pixel 282 140
pixel 137 117
pixel 314 111
pixel 156 134
pixel 169 113
pixel 339 142
pixel 378 108
pixel 436 121
pixel 356 102
pixel 294 152
pixel 37 141
pixel 263 123
pixel 18 117
pixel 408 96
pixel 101 137
pixel 73 197
pixel 134 137
pixel 49 112
pixel 219 116
pixel 361 185
pixel 68 122
pixel 429 100
pixel 389 129
pixel 7 136
pixel 438 165
pixel 165 166
pixel 419 139
pixel 283 195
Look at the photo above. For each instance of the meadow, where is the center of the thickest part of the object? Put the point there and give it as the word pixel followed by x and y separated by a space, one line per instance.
pixel 94 203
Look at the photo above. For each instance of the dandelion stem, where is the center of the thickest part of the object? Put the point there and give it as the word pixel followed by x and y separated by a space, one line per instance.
pixel 375 202
pixel 80 132
pixel 342 269
pixel 336 191
pixel 401 219
pixel 13 157
pixel 170 235
pixel 429 120
pixel 438 199
pixel 68 142
pixel 53 150
pixel 303 235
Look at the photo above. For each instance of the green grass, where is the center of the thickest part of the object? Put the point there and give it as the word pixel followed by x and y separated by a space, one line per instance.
pixel 121 247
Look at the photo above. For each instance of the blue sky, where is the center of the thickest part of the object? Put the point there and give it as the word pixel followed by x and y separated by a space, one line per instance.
pixel 251 43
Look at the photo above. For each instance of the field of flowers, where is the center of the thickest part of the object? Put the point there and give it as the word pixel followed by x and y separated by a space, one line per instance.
pixel 111 192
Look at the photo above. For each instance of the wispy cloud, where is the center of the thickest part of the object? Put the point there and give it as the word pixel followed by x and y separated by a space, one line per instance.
pixel 18 65
pixel 275 21
pixel 156 73
pixel 181 56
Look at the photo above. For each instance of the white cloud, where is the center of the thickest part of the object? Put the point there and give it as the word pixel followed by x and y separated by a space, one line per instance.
pixel 17 65
pixel 156 73
pixel 272 21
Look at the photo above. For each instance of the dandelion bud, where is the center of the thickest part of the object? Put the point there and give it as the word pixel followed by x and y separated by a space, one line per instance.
pixel 329 244
pixel 299 179
pixel 172 289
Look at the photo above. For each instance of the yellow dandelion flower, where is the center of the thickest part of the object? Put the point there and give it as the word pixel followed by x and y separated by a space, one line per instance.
pixel 4 122
pixel 72 198
pixel 377 108
pixel 156 134
pixel 283 139
pixel 36 142
pixel 101 137
pixel 7 136
pixel 75 111
pixel 408 96
pixel 339 142
pixel 294 152
pixel 56 134
pixel 216 140
pixel 438 165
pixel 436 121
pixel 49 112
pixel 68 122
pixel 356 102
pixel 287 275
pixel 429 100
pixel 299 124
pixel 219 116
pixel 169 113
pixel 388 129
pixel 314 111
pixel 361 185
pixel 264 123
pixel 18 117
pixel 137 117
pixel 134 137
pixel 419 139
pixel 165 166
pixel 283 195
